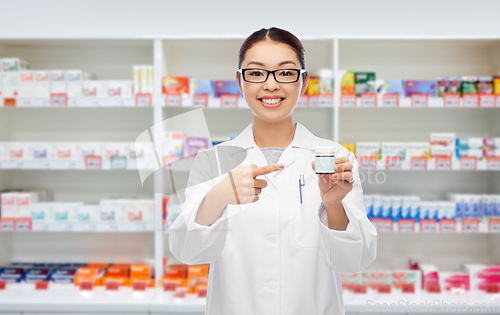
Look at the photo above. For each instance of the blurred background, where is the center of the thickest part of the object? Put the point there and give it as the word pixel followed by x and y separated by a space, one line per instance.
pixel 412 88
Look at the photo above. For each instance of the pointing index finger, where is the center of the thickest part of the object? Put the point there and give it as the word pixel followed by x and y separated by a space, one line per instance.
pixel 267 169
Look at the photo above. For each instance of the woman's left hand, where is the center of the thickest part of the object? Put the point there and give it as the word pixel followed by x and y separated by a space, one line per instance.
pixel 334 187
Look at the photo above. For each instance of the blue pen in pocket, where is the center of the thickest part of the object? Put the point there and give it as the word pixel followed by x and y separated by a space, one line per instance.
pixel 301 184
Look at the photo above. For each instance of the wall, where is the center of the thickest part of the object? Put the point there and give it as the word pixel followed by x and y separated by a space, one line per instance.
pixel 148 18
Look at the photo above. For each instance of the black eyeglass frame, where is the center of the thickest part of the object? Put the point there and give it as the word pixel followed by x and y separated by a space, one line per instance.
pixel 300 72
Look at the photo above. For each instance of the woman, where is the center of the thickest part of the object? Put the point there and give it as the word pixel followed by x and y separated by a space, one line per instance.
pixel 274 247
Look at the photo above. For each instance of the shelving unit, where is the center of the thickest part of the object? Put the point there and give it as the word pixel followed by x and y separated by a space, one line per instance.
pixel 112 120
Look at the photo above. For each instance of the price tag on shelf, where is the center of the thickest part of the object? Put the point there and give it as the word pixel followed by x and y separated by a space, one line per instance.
pixel 139 286
pixel 169 285
pixel 7 224
pixel 180 292
pixel 42 285
pixel 45 165
pixel 112 227
pixel 428 225
pixel 313 101
pixel 408 288
pixel 468 163
pixel 173 100
pixel 143 100
pixel 406 225
pixel 494 225
pixel 303 100
pixel 359 289
pixel 418 163
pixel 384 288
pixel 24 102
pixel 433 288
pixel 393 163
pixel 486 100
pixel 384 225
pixel 367 162
pixel 200 100
pixel 494 163
pixel 118 162
pixel 491 288
pixel 419 100
pixel 119 102
pixel 202 292
pixel 93 162
pixel 325 100
pixel 9 102
pixel 390 100
pixel 86 285
pixel 19 164
pixel 229 101
pixel 58 100
pixel 443 163
pixel 470 100
pixel 348 101
pixel 470 225
pixel 3 285
pixel 448 225
pixel 368 100
pixel 112 285
pixel 451 100
pixel 23 225
pixel 94 102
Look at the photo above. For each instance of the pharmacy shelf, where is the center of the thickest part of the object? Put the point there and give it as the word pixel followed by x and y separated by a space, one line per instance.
pixel 42 226
pixel 67 298
pixel 493 101
pixel 432 164
pixel 91 102
pixel 482 227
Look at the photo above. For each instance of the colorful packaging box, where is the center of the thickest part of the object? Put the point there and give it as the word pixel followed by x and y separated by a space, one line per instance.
pixel 484 85
pixel 314 86
pixel 119 88
pixel 91 274
pixel 430 275
pixel 444 139
pixel 483 275
pixel 364 82
pixel 406 277
pixel 89 213
pixel 456 282
pixel 176 85
pixel 378 206
pixel 368 202
pixel 469 85
pixel 350 146
pixel 368 149
pixel 226 87
pixel 496 85
pixel 448 85
pixel 392 149
pixel 199 86
pixel 420 87
pixel 416 149
pixel 395 87
pixel 42 211
pixel 194 145
pixel 172 146
pixel 397 208
pixel 348 83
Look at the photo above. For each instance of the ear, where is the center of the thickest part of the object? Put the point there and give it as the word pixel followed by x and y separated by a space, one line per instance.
pixel 305 84
pixel 238 79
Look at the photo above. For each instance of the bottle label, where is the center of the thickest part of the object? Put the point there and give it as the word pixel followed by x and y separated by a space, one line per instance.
pixel 324 164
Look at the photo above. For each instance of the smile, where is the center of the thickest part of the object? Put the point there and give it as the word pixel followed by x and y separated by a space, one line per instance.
pixel 271 102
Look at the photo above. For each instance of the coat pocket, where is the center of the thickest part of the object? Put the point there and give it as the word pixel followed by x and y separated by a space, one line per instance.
pixel 306 218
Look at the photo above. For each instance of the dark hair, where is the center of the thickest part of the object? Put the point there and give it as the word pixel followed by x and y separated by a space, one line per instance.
pixel 277 35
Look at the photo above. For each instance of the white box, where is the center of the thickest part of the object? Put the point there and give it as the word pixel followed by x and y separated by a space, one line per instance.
pixel 8 205
pixel 23 202
pixel 42 211
pixel 113 210
pixel 442 151
pixel 66 211
pixel 58 82
pixel 116 149
pixel 137 79
pixel 11 68
pixel 20 151
pixel 4 151
pixel 481 274
pixel 67 151
pixel 150 79
pixel 42 83
pixel 416 149
pixel 367 148
pixel 172 146
pixel 74 79
pixel 139 210
pixel 91 213
pixel 121 88
pixel 444 139
pixel 91 148
pixel 43 151
pixel 101 88
pixel 27 83
pixel 143 70
pixel 89 88
pixel 392 149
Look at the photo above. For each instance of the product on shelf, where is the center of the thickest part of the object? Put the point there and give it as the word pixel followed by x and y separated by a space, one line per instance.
pixel 375 279
pixel 469 85
pixel 176 85
pixel 406 277
pixel 16 204
pixel 172 146
pixel 392 149
pixel 394 87
pixel 456 282
pixel 484 85
pixel 326 81
pixel 11 68
pixel 226 87
pixel 189 279
pixel 199 86
pixel 427 87
pixel 496 85
pixel 483 276
pixel 364 82
pixel 372 280
pixel 448 85
pixel 42 83
pixel 416 149
pixel 314 86
pixel 429 276
pixel 142 273
pixel 365 149
pixel 347 84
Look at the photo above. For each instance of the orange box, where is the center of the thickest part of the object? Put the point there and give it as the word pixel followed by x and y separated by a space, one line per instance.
pixel 196 272
pixel 201 283
pixel 123 281
pixel 178 281
pixel 140 271
pixel 177 271
pixel 149 281
pixel 89 274
pixel 117 271
pixel 97 265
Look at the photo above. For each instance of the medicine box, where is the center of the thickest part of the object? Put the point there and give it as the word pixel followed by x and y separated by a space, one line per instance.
pixel 368 149
pixel 444 139
pixel 27 82
pixel 364 82
pixel 42 83
pixel 11 68
pixel 416 149
pixel 58 82
pixel 176 85
pixel 74 83
pixel 199 86
pixel 226 87
pixel 420 87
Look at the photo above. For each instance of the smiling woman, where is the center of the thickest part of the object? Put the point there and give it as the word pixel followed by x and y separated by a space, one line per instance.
pixel 277 235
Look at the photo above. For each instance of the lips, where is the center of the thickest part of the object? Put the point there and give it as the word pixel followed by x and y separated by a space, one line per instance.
pixel 271 101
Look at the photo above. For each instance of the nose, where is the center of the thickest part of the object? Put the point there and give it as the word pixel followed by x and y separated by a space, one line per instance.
pixel 271 83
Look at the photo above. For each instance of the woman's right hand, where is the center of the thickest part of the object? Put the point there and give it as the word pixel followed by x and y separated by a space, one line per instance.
pixel 241 186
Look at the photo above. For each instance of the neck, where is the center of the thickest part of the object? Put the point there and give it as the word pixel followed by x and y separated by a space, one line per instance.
pixel 273 134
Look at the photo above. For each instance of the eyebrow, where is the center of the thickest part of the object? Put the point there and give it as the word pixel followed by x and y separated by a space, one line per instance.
pixel 280 64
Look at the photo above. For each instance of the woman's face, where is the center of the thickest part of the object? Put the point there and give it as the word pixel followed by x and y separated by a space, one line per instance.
pixel 271 101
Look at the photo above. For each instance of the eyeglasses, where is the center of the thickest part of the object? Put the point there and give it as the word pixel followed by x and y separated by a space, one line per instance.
pixel 280 75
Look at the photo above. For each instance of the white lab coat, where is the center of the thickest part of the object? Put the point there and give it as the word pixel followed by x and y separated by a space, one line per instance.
pixel 277 256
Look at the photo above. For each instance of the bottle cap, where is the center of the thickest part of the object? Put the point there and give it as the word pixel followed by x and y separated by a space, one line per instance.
pixel 325 150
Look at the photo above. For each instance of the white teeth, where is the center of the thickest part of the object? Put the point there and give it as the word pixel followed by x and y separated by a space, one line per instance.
pixel 271 100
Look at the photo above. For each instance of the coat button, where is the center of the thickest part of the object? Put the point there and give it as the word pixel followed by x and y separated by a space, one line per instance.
pixel 272 285
pixel 272 239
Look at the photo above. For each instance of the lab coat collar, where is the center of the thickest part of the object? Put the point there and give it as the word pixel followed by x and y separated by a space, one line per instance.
pixel 303 139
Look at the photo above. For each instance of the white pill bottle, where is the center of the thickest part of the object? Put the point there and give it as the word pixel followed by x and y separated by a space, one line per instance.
pixel 324 162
